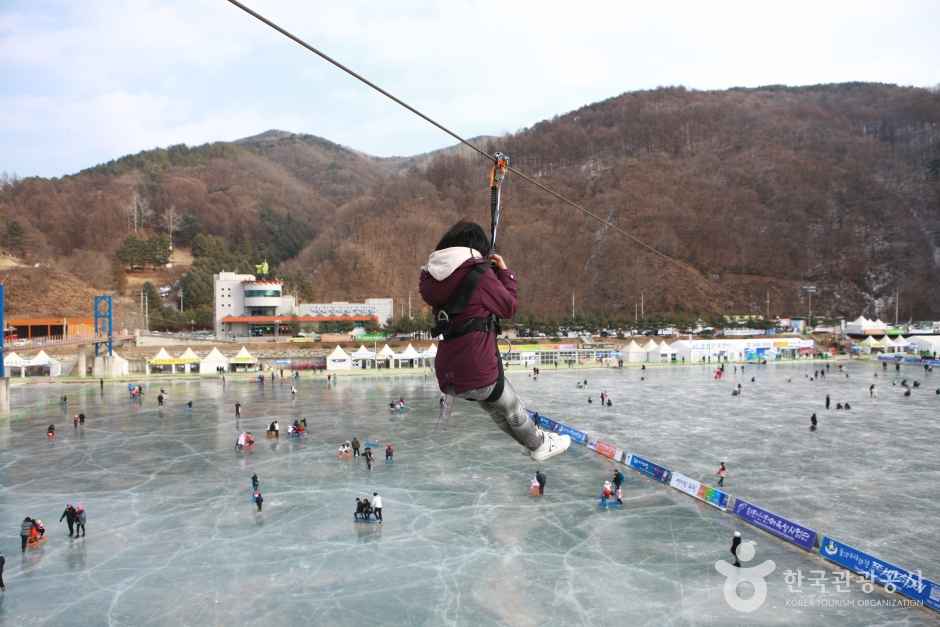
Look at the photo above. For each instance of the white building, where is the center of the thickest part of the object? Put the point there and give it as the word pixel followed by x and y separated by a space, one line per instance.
pixel 246 306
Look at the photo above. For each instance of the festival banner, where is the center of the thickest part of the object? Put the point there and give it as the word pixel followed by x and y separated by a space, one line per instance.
pixel 651 470
pixel 775 524
pixel 712 496
pixel 911 585
pixel 603 448
pixel 579 437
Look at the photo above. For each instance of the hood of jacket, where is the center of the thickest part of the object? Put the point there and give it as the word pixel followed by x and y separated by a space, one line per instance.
pixel 442 263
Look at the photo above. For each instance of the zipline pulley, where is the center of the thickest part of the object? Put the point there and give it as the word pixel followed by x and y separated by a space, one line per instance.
pixel 497 176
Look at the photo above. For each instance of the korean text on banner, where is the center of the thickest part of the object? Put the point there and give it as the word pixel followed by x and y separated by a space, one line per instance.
pixel 651 470
pixel 579 437
pixel 710 495
pixel 911 585
pixel 775 524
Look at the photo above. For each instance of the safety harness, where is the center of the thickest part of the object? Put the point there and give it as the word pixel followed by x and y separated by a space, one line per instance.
pixel 445 316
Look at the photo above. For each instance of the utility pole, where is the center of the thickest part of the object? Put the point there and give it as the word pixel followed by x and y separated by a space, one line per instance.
pixel 897 304
pixel 636 312
pixel 572 304
pixel 642 313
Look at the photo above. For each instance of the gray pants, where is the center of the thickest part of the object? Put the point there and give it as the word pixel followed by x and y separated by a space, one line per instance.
pixel 509 414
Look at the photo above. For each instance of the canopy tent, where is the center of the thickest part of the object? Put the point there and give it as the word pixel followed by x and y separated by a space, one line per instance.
pixel 666 352
pixel 652 352
pixel 409 355
pixel 363 358
pixel 42 360
pixel 929 344
pixel 339 360
pixel 12 360
pixel 189 357
pixel 869 344
pixel 385 357
pixel 242 359
pixel 901 343
pixel 162 358
pixel 41 364
pixel 190 360
pixel 213 363
pixel 633 353
pixel 428 355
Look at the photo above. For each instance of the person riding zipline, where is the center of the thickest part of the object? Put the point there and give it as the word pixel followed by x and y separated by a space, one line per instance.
pixel 469 293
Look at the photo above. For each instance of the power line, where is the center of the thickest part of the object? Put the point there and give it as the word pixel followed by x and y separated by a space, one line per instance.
pixel 459 138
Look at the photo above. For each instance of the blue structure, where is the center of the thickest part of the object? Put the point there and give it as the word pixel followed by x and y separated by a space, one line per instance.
pixel 104 322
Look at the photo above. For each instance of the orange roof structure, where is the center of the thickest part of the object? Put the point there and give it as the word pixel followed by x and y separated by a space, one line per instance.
pixel 291 319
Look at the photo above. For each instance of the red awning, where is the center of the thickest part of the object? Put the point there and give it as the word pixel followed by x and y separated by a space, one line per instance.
pixel 292 319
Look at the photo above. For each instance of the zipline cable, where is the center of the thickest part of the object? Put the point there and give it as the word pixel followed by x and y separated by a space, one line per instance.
pixel 459 138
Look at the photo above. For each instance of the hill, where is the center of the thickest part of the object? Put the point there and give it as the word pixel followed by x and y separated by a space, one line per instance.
pixel 753 193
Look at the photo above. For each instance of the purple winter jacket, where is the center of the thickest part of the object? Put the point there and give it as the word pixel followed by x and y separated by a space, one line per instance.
pixel 468 362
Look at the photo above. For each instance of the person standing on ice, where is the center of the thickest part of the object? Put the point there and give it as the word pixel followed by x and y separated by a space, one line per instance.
pixel 69 516
pixel 258 499
pixel 469 293
pixel 80 520
pixel 238 409
pixel 735 543
pixel 827 401
pixel 541 479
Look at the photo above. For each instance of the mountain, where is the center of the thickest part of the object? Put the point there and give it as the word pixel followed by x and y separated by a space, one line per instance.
pixel 748 193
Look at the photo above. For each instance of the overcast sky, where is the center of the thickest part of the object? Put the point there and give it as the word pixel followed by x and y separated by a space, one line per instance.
pixel 84 82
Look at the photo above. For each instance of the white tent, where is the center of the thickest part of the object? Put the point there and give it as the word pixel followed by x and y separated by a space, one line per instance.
pixel 42 360
pixel 339 360
pixel 429 354
pixel 363 358
pixel 212 362
pixel 901 343
pixel 929 344
pixel 161 358
pixel 385 357
pixel 666 352
pixel 682 349
pixel 12 360
pixel 652 352
pixel 409 355
pixel 189 359
pixel 633 353
pixel 243 358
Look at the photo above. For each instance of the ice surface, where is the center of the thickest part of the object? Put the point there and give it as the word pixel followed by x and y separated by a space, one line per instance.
pixel 173 539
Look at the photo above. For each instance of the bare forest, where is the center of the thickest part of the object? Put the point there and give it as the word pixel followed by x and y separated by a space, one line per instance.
pixel 751 193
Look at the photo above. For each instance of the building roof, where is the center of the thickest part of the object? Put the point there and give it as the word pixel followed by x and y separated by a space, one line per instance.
pixel 291 319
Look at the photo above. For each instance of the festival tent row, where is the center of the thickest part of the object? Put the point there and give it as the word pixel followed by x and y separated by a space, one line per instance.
pixel 363 358
pixel 211 364
pixel 40 364
pixel 864 326
pixel 929 344
pixel 884 345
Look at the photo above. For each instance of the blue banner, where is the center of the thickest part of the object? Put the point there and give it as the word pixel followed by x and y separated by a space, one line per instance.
pixel 651 470
pixel 775 524
pixel 911 585
pixel 579 437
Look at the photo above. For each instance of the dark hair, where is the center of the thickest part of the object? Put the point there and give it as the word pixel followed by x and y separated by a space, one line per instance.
pixel 469 234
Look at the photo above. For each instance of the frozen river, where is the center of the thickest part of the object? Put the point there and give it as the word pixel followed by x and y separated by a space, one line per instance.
pixel 173 539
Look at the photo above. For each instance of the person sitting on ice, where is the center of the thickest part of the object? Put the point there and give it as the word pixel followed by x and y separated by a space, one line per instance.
pixel 358 513
pixel 838 405
pixel 606 492
pixel 469 293
pixel 50 432
pixel 847 406
pixel 366 508
pixel 298 428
